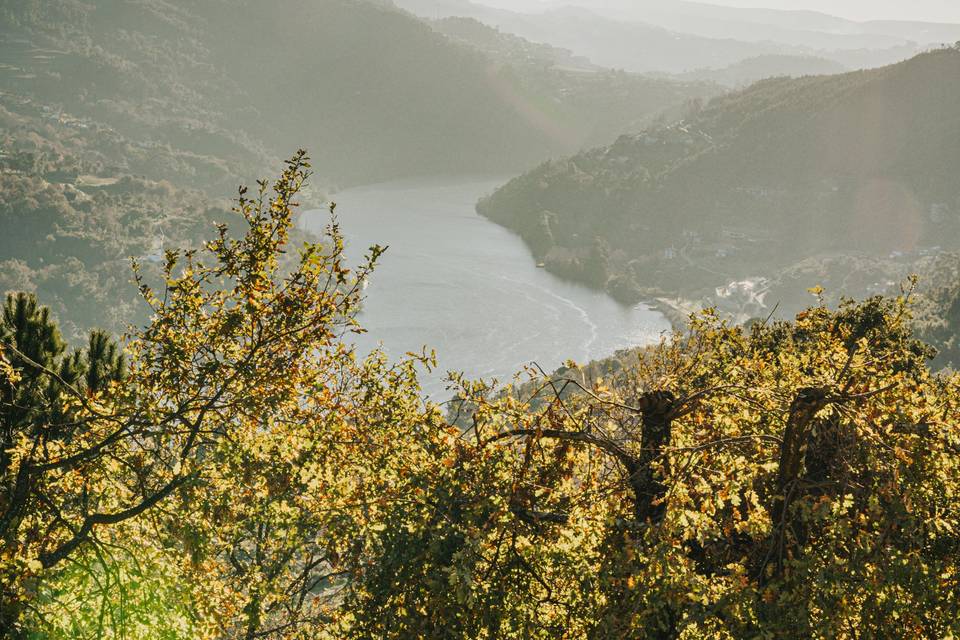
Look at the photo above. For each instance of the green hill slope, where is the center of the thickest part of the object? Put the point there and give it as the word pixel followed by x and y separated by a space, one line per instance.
pixel 751 70
pixel 850 171
pixel 581 103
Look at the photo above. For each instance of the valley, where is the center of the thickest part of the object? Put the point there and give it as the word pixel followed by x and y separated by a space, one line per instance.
pixel 454 282
pixel 747 189
pixel 479 320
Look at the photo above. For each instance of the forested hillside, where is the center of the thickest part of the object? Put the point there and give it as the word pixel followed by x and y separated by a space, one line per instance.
pixel 376 91
pixel 750 70
pixel 843 180
pixel 76 206
pixel 117 117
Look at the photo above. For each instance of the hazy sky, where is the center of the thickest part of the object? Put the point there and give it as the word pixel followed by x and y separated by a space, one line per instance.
pixel 931 10
pixel 925 10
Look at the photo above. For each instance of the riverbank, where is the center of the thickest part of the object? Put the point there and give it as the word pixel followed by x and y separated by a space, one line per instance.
pixel 470 289
pixel 677 311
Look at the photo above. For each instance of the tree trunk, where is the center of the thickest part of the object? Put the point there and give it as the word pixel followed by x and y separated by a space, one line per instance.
pixel 796 440
pixel 648 489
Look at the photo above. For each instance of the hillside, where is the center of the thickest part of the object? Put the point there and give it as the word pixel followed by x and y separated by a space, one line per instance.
pixel 582 103
pixel 123 86
pixel 838 180
pixel 75 207
pixel 374 92
pixel 187 73
pixel 511 49
pixel 117 116
pixel 751 70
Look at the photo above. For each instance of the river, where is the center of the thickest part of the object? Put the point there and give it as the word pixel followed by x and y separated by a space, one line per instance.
pixel 468 288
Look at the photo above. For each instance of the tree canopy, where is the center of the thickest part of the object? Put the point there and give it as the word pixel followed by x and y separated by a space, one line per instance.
pixel 243 473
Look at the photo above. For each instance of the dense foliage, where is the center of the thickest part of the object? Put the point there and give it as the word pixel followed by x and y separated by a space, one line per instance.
pixel 220 450
pixel 736 483
pixel 241 474
pixel 71 243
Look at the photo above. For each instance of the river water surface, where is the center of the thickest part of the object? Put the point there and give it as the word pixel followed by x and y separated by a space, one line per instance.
pixel 468 288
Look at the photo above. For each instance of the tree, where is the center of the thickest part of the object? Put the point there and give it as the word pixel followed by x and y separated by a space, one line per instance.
pixel 793 480
pixel 938 315
pixel 596 265
pixel 242 367
pixel 37 370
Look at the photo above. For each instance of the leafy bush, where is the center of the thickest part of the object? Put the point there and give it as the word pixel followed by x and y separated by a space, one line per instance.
pixel 791 480
pixel 796 480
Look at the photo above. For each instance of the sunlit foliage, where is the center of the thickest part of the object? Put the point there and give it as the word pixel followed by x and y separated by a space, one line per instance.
pixel 234 442
pixel 793 480
pixel 244 474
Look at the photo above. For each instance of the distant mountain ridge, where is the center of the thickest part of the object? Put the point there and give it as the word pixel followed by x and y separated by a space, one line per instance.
pixel 855 172
pixel 806 27
pixel 677 37
pixel 582 102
